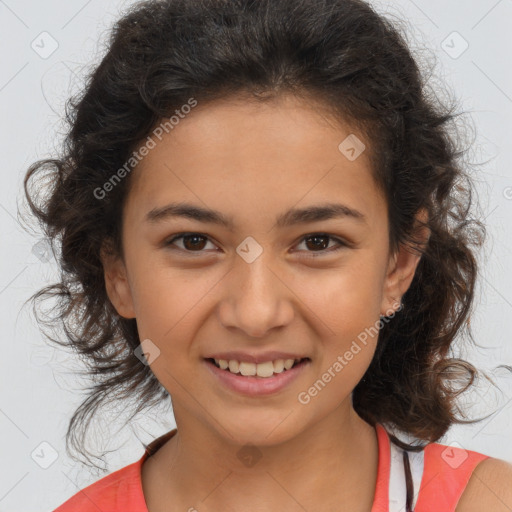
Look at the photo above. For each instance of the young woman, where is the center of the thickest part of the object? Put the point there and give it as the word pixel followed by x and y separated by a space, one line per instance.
pixel 263 216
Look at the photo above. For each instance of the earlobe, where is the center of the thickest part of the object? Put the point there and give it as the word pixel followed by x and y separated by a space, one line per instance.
pixel 393 285
pixel 399 278
pixel 402 267
pixel 117 284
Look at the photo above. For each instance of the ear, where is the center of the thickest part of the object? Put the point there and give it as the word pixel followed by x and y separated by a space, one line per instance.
pixel 402 267
pixel 116 283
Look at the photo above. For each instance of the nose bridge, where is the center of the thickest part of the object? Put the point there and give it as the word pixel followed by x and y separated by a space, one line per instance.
pixel 257 279
pixel 257 300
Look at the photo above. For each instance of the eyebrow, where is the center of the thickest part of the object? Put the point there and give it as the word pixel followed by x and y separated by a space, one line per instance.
pixel 314 213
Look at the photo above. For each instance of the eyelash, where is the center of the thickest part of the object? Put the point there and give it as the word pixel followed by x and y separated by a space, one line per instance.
pixel 313 254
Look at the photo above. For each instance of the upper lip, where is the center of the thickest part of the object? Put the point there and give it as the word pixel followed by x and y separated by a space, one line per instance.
pixel 254 358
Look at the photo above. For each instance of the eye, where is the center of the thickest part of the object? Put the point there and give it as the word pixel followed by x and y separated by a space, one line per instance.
pixel 319 242
pixel 192 242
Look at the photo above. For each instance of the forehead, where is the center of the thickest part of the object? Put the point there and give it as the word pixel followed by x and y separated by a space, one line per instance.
pixel 280 152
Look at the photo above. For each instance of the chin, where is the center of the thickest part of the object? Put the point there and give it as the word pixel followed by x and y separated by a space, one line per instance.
pixel 252 429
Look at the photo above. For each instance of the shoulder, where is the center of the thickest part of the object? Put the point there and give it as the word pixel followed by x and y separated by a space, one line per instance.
pixel 463 480
pixel 118 491
pixel 490 487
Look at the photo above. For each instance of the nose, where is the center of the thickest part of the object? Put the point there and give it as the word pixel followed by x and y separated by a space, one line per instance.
pixel 256 299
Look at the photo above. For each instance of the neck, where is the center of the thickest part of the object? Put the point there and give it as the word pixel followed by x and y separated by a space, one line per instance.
pixel 330 466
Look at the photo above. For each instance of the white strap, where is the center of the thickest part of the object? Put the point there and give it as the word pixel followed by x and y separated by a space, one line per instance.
pixel 416 460
pixel 397 482
pixel 397 488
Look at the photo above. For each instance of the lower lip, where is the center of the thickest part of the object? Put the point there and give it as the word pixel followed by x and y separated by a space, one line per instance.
pixel 257 386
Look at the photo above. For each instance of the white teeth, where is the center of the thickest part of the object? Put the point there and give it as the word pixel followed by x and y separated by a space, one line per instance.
pixel 288 364
pixel 278 366
pixel 266 369
pixel 247 369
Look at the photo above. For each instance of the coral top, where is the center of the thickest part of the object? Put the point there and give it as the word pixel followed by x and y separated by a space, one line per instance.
pixel 439 474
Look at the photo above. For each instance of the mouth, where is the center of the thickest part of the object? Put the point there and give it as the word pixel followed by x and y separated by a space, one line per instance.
pixel 262 371
pixel 246 378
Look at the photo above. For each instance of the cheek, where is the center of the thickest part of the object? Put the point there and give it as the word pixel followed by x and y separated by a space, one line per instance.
pixel 346 306
pixel 344 299
pixel 167 300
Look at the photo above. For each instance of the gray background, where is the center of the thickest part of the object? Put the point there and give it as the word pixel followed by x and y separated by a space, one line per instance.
pixel 38 383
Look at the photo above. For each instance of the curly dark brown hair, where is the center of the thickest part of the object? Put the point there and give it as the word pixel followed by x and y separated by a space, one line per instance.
pixel 359 65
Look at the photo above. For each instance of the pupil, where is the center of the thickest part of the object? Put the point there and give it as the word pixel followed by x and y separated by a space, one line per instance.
pixel 187 239
pixel 319 245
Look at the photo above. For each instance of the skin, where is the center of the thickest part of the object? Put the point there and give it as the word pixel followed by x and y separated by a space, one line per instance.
pixel 253 162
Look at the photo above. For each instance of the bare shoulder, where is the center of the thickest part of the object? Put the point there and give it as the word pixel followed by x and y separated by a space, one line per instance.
pixel 490 486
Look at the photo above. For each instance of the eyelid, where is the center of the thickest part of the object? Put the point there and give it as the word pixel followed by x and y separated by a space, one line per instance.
pixel 169 242
pixel 342 243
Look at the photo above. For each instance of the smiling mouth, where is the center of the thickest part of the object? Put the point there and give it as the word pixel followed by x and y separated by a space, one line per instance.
pixel 261 370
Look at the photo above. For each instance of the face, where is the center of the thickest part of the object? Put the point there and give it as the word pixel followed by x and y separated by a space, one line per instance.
pixel 293 263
